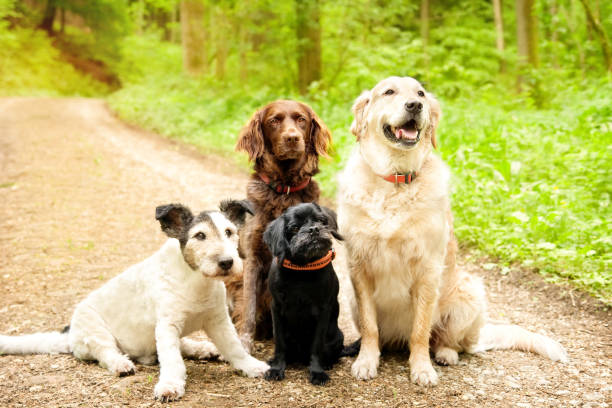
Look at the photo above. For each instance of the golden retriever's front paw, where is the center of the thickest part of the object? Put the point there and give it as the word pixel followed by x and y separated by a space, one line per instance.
pixel 169 390
pixel 423 374
pixel 364 368
pixel 446 356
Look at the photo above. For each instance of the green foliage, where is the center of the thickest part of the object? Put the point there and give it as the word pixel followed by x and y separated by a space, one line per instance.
pixel 30 65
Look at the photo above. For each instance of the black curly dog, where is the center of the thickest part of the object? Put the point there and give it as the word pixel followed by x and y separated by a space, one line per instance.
pixel 304 289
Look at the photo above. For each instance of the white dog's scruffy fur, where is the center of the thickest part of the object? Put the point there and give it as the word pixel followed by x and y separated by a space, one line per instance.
pixel 145 312
pixel 401 246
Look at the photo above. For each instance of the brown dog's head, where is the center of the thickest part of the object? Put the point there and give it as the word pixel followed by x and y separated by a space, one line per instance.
pixel 284 130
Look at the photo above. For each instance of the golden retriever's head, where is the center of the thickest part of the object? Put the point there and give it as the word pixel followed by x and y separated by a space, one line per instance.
pixel 397 119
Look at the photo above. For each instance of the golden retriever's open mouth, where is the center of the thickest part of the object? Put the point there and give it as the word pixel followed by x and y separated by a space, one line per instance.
pixel 407 134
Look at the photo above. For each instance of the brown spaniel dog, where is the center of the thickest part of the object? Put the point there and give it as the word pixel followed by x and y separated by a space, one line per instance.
pixel 284 139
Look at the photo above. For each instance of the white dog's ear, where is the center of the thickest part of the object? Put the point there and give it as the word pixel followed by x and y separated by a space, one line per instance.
pixel 358 125
pixel 174 220
pixel 435 113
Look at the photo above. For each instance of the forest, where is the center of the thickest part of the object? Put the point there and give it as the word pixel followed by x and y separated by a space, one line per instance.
pixel 525 88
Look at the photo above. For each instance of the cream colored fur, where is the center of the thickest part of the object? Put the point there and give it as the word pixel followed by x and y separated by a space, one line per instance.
pixel 401 247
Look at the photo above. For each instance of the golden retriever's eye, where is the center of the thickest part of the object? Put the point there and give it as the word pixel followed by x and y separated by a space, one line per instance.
pixel 421 93
pixel 228 232
pixel 389 92
pixel 200 235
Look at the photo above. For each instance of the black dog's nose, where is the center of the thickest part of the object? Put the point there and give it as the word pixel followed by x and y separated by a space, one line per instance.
pixel 226 263
pixel 314 229
pixel 414 106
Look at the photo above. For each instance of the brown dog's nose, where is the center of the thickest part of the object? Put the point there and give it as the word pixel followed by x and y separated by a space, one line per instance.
pixel 291 138
pixel 414 106
pixel 226 263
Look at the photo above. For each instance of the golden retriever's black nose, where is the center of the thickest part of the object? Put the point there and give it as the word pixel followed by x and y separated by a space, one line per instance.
pixel 226 263
pixel 414 106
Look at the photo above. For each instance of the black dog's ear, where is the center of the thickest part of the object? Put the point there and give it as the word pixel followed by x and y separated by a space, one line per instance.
pixel 274 237
pixel 332 222
pixel 236 210
pixel 174 219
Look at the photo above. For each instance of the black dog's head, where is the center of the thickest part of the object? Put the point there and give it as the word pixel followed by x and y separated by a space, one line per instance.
pixel 302 234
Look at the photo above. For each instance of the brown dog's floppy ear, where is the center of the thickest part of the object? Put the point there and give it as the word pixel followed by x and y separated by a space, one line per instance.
pixel 357 127
pixel 174 220
pixel 435 113
pixel 320 135
pixel 251 138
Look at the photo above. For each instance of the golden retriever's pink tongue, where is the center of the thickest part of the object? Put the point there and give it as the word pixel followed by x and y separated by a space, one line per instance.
pixel 406 134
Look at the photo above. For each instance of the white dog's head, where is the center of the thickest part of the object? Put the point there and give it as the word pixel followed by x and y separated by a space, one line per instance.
pixel 209 241
pixel 396 122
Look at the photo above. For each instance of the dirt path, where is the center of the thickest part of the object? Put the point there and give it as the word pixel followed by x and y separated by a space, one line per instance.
pixel 77 195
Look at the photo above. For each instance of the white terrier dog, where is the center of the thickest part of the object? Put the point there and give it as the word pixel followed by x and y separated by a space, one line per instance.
pixel 145 312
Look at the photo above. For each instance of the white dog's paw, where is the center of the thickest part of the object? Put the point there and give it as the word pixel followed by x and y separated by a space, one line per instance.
pixel 423 374
pixel 252 367
pixel 205 350
pixel 121 366
pixel 365 368
pixel 169 390
pixel 446 356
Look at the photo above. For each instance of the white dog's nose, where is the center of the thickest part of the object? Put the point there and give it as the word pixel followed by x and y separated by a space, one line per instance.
pixel 226 263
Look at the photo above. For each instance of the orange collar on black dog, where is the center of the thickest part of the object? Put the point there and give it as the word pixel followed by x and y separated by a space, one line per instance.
pixel 311 266
pixel 283 188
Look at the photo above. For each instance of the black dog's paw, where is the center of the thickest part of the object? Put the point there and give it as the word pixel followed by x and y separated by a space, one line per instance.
pixel 318 378
pixel 274 374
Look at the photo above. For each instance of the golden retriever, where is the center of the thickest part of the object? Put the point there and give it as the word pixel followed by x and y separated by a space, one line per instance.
pixel 394 212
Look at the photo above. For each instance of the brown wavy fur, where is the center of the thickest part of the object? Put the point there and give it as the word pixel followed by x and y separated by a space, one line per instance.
pixel 250 295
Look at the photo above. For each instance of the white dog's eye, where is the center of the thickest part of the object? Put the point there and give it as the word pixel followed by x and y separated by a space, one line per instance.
pixel 228 232
pixel 421 93
pixel 389 92
pixel 200 236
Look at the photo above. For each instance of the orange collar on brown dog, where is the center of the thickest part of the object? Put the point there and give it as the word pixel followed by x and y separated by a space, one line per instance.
pixel 311 266
pixel 283 188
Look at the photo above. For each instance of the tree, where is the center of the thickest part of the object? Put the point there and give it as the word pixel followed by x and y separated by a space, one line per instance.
pixel 527 36
pixel 308 32
pixel 604 41
pixel 193 36
pixel 48 17
pixel 425 28
pixel 499 32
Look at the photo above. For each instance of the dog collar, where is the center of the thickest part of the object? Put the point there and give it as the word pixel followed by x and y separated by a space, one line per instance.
pixel 400 178
pixel 311 266
pixel 283 188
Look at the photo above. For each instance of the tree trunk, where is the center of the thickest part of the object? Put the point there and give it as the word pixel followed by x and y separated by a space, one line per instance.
pixel 527 37
pixel 193 36
pixel 554 35
pixel 499 31
pixel 425 30
pixel 308 32
pixel 48 17
pixel 221 35
pixel 604 41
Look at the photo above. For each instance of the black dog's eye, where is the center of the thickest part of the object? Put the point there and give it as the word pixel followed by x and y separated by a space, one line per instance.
pixel 200 236
pixel 228 232
pixel 294 229
pixel 389 92
pixel 421 93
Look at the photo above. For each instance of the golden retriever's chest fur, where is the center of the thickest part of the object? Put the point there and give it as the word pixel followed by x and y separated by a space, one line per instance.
pixel 390 230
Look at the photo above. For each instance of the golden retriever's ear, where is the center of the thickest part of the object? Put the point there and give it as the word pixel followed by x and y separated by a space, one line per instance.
pixel 357 127
pixel 435 114
pixel 251 138
pixel 319 134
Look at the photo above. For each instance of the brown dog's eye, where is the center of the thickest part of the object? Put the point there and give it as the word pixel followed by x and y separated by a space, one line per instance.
pixel 301 119
pixel 200 236
pixel 389 92
pixel 421 93
pixel 228 232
